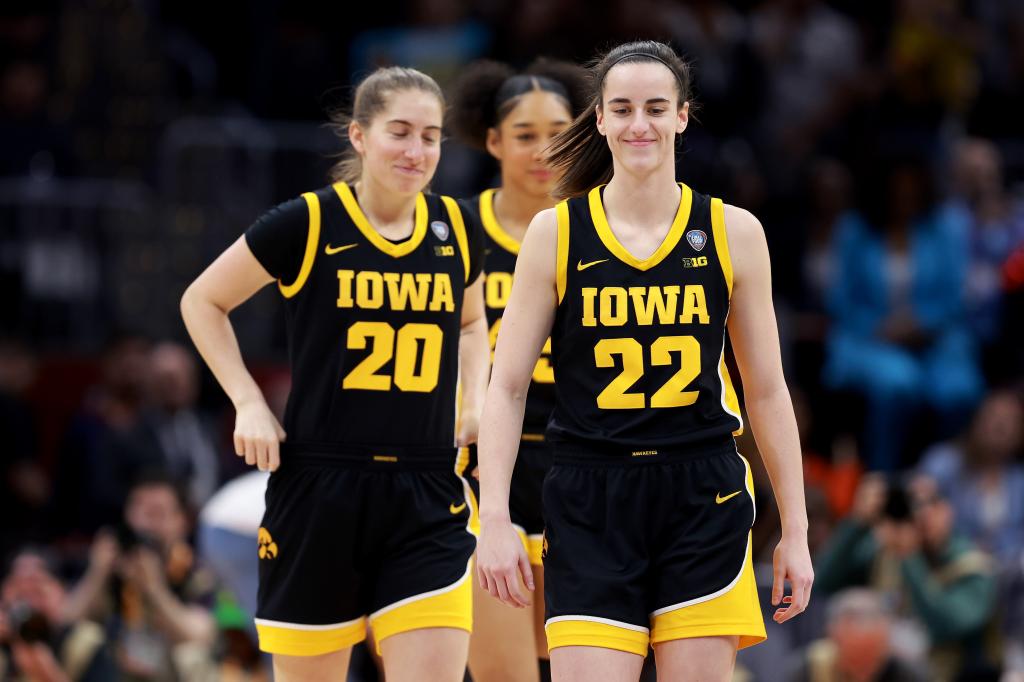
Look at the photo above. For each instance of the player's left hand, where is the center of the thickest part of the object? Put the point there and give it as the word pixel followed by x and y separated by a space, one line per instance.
pixel 792 562
pixel 469 428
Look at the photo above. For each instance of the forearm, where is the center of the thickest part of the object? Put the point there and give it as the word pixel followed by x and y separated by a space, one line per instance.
pixel 214 338
pixel 183 623
pixel 500 429
pixel 475 364
pixel 83 598
pixel 774 427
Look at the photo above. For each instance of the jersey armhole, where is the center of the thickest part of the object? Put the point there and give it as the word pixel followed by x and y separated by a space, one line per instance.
pixel 721 241
pixel 459 227
pixel 312 242
pixel 562 249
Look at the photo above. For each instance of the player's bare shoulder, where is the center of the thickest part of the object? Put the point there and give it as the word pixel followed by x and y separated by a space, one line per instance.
pixel 748 248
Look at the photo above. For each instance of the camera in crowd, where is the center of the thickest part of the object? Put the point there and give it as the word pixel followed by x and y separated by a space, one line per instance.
pixel 28 624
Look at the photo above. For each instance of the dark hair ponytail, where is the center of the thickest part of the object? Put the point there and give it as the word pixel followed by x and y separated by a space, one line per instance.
pixel 488 91
pixel 580 151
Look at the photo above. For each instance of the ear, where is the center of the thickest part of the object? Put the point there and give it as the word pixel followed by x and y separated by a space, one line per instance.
pixel 493 143
pixel 355 136
pixel 600 118
pixel 684 117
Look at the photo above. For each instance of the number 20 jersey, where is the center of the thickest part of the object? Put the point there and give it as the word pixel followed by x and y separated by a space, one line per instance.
pixel 374 329
pixel 638 345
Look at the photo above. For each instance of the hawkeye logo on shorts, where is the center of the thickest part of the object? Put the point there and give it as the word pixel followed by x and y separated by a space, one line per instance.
pixel 267 546
pixel 456 509
pixel 544 545
pixel 440 229
pixel 697 239
pixel 719 499
pixel 698 262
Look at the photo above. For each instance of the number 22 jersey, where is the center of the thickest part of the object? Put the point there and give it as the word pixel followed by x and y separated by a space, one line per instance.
pixel 638 345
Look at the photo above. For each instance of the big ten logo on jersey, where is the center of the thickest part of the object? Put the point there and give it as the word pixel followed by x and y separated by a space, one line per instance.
pixel 644 306
pixel 698 262
pixel 419 291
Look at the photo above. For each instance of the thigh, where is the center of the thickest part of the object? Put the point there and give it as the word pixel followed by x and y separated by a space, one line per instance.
pixel 589 663
pixel 423 546
pixel 701 659
pixel 502 647
pixel 436 654
pixel 595 561
pixel 332 666
pixel 539 606
pixel 308 602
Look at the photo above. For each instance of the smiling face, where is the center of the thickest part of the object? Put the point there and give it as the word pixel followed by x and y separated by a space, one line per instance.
pixel 640 116
pixel 522 136
pixel 401 145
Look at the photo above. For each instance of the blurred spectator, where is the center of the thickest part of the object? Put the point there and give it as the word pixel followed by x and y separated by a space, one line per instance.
pixel 144 584
pixel 185 438
pixel 24 486
pixel 1013 598
pixel 995 227
pixel 38 642
pixel 982 479
pixel 900 540
pixel 810 55
pixel 102 450
pixel 899 337
pixel 858 647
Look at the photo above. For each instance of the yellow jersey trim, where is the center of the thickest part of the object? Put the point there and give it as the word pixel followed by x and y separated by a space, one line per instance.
pixel 675 232
pixel 730 401
pixel 562 249
pixel 567 631
pixel 490 220
pixel 721 241
pixel 448 607
pixel 309 640
pixel 459 228
pixel 398 250
pixel 312 242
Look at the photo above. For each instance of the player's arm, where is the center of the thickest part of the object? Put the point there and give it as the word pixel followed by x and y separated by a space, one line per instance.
pixel 525 325
pixel 755 341
pixel 474 361
pixel 227 283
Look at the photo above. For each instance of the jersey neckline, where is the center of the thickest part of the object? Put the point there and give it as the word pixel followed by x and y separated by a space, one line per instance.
pixel 675 232
pixel 393 249
pixel 491 225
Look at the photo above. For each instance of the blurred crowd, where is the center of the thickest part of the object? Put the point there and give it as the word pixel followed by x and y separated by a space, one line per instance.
pixel 879 144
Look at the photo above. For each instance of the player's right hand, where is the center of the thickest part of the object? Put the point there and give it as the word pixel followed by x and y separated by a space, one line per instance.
pixel 502 564
pixel 258 435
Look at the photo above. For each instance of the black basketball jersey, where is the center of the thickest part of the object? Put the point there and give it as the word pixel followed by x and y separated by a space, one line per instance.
pixel 373 327
pixel 501 251
pixel 638 345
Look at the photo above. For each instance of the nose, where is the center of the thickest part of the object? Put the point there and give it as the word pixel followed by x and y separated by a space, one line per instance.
pixel 638 123
pixel 414 151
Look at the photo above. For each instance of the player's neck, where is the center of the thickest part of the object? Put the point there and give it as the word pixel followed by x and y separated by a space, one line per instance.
pixel 642 199
pixel 514 209
pixel 390 214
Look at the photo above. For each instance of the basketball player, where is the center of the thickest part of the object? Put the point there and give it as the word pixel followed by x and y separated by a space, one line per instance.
pixel 648 506
pixel 366 518
pixel 514 117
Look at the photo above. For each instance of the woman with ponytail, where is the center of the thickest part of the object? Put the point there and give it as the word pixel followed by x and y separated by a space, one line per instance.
pixel 648 505
pixel 514 117
pixel 366 521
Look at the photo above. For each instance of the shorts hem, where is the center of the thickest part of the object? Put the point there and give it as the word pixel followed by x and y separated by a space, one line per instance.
pixel 749 634
pixel 593 633
pixel 447 607
pixel 308 640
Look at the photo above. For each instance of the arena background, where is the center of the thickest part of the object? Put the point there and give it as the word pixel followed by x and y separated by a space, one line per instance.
pixel 880 144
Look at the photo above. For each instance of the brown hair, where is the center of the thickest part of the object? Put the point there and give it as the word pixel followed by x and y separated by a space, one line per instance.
pixel 370 99
pixel 580 151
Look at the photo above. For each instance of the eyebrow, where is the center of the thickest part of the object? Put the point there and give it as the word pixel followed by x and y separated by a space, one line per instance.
pixel 407 123
pixel 626 100
pixel 530 125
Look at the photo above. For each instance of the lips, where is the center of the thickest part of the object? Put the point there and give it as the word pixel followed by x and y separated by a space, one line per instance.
pixel 640 143
pixel 542 174
pixel 407 170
